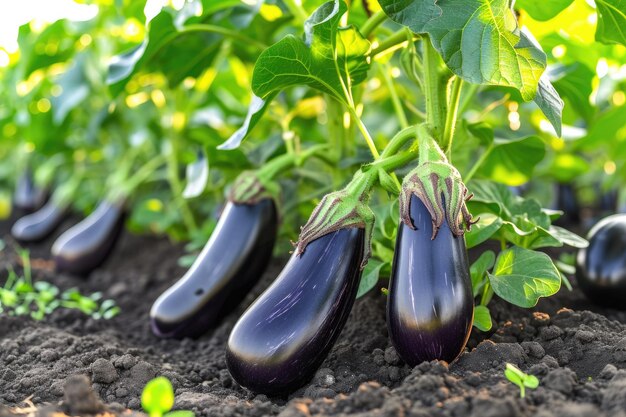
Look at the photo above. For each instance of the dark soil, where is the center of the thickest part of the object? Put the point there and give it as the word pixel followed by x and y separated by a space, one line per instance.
pixel 577 350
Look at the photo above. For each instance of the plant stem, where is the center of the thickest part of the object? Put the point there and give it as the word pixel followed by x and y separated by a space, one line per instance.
pixel 296 9
pixel 364 132
pixel 478 163
pixel 395 99
pixel 389 43
pixel 397 141
pixel 177 187
pixel 435 100
pixel 372 23
pixel 451 114
pixel 238 36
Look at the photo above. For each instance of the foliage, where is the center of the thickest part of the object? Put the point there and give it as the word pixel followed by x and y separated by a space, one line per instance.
pixel 520 378
pixel 21 296
pixel 157 399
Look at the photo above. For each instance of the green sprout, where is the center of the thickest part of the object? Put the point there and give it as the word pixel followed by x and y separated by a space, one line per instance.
pixel 20 296
pixel 520 378
pixel 157 399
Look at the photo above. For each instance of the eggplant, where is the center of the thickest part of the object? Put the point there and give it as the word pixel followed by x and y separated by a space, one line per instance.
pixel 285 335
pixel 430 309
pixel 601 267
pixel 85 246
pixel 230 264
pixel 39 225
pixel 27 197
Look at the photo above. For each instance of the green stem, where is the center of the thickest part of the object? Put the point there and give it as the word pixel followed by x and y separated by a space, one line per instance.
pixel 393 162
pixel 389 43
pixel 478 163
pixel 237 36
pixel 124 191
pixel 364 132
pixel 451 114
pixel 372 23
pixel 435 100
pixel 398 141
pixel 177 187
pixel 296 9
pixel 395 99
pixel 283 162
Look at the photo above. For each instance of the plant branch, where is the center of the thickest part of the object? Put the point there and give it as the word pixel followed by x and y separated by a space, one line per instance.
pixel 451 114
pixel 391 43
pixel 395 99
pixel 435 100
pixel 372 23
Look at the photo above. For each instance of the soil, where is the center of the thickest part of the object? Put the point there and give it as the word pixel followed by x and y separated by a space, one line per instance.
pixel 577 350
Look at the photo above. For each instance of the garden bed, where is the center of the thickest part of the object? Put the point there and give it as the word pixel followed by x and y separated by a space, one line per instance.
pixel 577 350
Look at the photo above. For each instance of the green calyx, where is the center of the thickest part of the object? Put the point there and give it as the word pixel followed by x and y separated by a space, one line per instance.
pixel 343 209
pixel 249 188
pixel 438 185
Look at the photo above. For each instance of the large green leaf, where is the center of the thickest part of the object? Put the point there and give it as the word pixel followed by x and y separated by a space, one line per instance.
pixel 513 162
pixel 611 21
pixel 543 10
pixel 75 88
pixel 480 42
pixel 548 100
pixel 329 59
pixel 522 276
pixel 168 48
pixel 574 83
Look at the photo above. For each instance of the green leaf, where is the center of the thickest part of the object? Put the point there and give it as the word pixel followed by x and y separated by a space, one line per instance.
pixel 75 88
pixel 329 59
pixel 479 268
pixel 543 10
pixel 180 413
pixel 197 176
pixel 415 14
pixel 574 83
pixel 550 103
pixel 488 224
pixel 175 52
pixel 522 276
pixel 611 21
pixel 158 396
pixel 568 238
pixel 513 162
pixel 482 318
pixel 566 167
pixel 370 275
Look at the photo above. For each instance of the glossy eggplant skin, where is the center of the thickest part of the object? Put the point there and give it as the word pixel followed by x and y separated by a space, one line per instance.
pixel 230 264
pixel 567 201
pixel 37 226
pixel 281 340
pixel 601 267
pixel 27 197
pixel 430 308
pixel 84 247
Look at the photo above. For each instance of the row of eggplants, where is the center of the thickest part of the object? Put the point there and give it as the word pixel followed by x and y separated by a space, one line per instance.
pixel 80 249
pixel 285 335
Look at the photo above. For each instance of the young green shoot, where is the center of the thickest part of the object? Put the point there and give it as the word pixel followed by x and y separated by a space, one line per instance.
pixel 520 378
pixel 157 399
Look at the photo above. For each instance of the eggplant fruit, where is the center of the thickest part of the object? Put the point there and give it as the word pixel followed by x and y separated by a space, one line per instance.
pixel 27 197
pixel 285 335
pixel 85 246
pixel 601 267
pixel 230 264
pixel 37 226
pixel 430 309
pixel 567 201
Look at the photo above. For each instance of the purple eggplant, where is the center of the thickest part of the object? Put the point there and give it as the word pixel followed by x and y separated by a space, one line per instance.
pixel 601 267
pixel 86 246
pixel 430 308
pixel 39 225
pixel 230 264
pixel 27 197
pixel 281 340
pixel 567 201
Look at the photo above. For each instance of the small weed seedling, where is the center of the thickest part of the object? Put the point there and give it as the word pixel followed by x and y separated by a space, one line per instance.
pixel 157 399
pixel 20 296
pixel 520 378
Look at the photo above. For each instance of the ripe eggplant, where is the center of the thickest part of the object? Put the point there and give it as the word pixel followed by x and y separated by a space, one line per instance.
pixel 601 267
pixel 281 340
pixel 86 246
pixel 230 264
pixel 566 201
pixel 430 308
pixel 27 197
pixel 39 225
